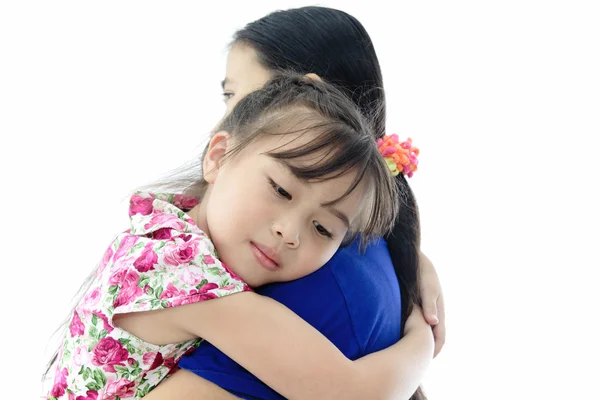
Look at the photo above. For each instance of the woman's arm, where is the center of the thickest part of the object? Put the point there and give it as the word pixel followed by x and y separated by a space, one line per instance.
pixel 433 301
pixel 292 357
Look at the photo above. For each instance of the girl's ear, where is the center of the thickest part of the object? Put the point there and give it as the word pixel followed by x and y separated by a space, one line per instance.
pixel 217 147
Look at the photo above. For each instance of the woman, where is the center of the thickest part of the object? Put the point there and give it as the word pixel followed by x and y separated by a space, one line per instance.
pixel 355 299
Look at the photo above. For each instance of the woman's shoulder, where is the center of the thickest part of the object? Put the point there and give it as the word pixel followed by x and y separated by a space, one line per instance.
pixel 362 271
pixel 350 269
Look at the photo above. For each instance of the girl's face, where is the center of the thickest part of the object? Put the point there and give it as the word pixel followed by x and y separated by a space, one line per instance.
pixel 268 225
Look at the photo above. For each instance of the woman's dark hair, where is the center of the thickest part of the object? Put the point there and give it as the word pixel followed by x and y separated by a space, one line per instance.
pixel 335 46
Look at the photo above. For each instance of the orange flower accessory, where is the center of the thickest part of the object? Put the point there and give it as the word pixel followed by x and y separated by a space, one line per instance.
pixel 399 156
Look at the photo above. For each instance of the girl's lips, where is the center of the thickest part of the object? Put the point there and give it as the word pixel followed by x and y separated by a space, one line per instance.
pixel 266 257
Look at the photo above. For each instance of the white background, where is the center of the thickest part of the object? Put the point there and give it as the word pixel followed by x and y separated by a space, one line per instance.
pixel 503 98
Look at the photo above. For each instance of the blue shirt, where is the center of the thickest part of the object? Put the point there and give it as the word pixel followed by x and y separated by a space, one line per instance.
pixel 354 300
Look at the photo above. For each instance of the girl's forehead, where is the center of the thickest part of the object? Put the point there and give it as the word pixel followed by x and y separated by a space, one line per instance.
pixel 277 142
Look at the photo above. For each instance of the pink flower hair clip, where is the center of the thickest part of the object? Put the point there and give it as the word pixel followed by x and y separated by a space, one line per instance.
pixel 399 156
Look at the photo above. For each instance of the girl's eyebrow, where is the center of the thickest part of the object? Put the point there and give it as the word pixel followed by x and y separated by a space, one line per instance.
pixel 289 170
pixel 338 214
pixel 225 82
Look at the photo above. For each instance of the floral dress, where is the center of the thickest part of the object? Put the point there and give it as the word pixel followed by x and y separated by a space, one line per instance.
pixel 163 261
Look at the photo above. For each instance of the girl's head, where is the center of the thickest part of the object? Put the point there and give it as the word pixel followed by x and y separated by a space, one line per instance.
pixel 335 46
pixel 292 173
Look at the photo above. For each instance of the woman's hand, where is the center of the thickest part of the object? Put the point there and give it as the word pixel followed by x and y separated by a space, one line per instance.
pixel 433 302
pixel 415 321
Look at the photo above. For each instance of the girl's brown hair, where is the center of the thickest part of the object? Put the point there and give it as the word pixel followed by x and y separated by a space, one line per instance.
pixel 342 141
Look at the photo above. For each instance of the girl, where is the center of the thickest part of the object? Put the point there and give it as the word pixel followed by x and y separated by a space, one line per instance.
pixel 292 174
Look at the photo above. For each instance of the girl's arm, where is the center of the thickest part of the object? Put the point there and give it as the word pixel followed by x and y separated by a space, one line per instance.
pixel 186 385
pixel 288 354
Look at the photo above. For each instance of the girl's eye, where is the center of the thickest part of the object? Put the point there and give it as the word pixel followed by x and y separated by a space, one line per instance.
pixel 281 191
pixel 227 96
pixel 321 230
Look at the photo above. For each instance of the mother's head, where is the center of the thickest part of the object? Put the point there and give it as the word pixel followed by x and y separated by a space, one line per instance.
pixel 327 42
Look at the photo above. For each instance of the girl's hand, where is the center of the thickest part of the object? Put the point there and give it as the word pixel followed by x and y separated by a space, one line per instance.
pixel 433 302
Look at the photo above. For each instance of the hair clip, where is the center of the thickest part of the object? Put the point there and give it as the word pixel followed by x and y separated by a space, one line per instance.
pixel 399 156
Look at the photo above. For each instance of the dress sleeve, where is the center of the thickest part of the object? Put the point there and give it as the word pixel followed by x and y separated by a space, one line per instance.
pixel 168 269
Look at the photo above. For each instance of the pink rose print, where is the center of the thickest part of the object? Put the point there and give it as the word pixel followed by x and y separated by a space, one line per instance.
pixel 60 383
pixel 191 276
pixel 91 299
pixel 162 234
pixel 90 395
pixel 189 351
pixel 170 292
pixel 185 237
pixel 165 221
pixel 104 319
pixel 169 362
pixel 81 356
pixel 207 286
pixel 185 202
pixel 145 262
pixel 140 205
pixel 109 352
pixel 124 388
pixel 231 273
pixel 208 259
pixel 195 296
pixel 157 362
pixel 105 260
pixel 181 253
pixel 149 357
pixel 126 244
pixel 129 289
pixel 117 276
pixel 76 328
